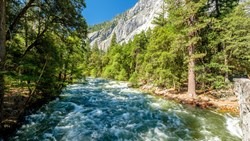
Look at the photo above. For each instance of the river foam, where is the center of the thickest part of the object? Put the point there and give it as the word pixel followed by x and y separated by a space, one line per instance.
pixel 104 110
pixel 233 125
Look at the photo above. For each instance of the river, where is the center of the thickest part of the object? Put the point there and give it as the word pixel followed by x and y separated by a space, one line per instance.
pixel 104 110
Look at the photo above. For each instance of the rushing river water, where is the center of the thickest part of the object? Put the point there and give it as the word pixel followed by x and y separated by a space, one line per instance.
pixel 105 110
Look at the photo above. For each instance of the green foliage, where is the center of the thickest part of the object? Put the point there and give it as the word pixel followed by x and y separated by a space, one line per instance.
pixel 113 41
pixel 45 47
pixel 100 26
pixel 106 25
pixel 160 56
pixel 94 61
pixel 160 19
pixel 122 75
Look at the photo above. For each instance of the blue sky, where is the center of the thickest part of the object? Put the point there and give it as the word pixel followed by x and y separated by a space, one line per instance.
pixel 98 11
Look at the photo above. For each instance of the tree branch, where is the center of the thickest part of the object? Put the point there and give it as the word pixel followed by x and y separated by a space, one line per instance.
pixel 33 91
pixel 35 42
pixel 38 37
pixel 18 17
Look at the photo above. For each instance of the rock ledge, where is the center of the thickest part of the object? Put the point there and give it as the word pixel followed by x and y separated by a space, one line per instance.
pixel 242 90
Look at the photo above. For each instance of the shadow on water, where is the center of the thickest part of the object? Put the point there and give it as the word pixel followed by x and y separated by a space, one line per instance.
pixel 107 110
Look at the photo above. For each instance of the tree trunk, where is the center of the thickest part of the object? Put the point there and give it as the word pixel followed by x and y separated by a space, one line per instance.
pixel 191 72
pixel 226 78
pixel 2 54
pixel 17 18
pixel 191 64
pixel 226 65
pixel 65 72
pixel 71 72
pixel 217 8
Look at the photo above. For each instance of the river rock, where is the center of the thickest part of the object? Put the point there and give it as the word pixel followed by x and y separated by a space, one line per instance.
pixel 242 90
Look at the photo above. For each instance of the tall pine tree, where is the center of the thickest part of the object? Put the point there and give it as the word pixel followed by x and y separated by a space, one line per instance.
pixel 189 19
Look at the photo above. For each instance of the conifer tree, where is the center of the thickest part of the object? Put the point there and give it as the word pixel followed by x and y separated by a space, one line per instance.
pixel 221 7
pixel 189 19
pixel 160 19
pixel 196 44
pixel 113 40
pixel 235 37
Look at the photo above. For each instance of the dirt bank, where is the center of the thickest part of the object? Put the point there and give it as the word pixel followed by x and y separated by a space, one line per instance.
pixel 16 108
pixel 205 100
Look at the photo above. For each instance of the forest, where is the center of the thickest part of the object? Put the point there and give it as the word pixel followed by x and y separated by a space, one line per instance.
pixel 199 46
pixel 195 45
pixel 41 50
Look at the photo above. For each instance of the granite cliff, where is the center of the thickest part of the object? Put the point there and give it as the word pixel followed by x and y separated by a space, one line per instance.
pixel 242 90
pixel 128 24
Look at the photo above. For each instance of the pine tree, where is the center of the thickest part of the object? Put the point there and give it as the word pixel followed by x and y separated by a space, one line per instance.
pixel 160 19
pixel 221 7
pixel 113 41
pixel 95 48
pixel 235 37
pixel 95 62
pixel 189 19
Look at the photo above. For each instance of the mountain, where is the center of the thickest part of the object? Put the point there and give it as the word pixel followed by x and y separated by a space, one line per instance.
pixel 126 25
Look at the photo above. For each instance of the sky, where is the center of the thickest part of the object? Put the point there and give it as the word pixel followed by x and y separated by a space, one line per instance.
pixel 98 11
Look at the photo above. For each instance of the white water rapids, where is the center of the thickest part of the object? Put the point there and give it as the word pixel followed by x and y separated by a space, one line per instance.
pixel 104 110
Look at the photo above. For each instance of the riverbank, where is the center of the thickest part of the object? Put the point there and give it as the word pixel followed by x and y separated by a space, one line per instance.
pixel 14 101
pixel 109 110
pixel 15 109
pixel 204 100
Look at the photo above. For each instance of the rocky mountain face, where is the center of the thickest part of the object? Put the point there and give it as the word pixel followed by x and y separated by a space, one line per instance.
pixel 242 90
pixel 127 25
pixel 130 23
